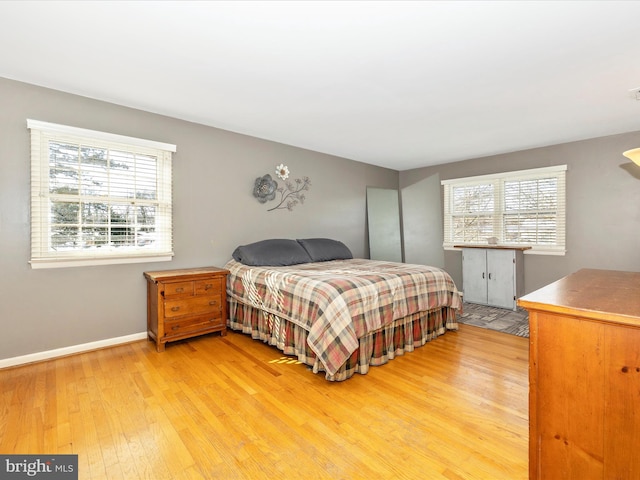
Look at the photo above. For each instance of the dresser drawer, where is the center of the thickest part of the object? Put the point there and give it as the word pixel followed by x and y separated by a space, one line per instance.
pixel 211 286
pixel 178 289
pixel 192 324
pixel 206 304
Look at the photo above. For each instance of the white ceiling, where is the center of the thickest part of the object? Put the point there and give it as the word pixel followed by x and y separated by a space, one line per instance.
pixel 396 84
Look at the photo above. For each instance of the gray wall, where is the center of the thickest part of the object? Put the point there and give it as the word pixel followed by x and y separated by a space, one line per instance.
pixel 603 206
pixel 214 211
pixel 422 222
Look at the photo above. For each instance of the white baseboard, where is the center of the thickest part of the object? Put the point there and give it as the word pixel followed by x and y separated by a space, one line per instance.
pixel 63 352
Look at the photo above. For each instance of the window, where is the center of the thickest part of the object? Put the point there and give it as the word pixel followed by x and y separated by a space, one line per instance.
pixel 518 208
pixel 98 198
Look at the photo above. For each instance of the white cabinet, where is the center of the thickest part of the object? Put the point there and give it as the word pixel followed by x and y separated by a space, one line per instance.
pixel 493 276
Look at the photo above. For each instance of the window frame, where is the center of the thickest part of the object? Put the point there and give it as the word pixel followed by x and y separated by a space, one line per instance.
pixel 43 255
pixel 498 211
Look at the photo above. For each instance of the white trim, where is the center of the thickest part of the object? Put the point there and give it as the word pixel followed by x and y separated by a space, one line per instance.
pixel 85 262
pixel 531 251
pixel 517 173
pixel 93 134
pixel 542 251
pixel 65 351
pixel 44 253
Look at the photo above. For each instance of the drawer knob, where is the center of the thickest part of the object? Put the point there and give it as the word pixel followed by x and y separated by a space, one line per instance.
pixel 175 327
pixel 175 309
pixel 208 286
pixel 179 290
pixel 213 302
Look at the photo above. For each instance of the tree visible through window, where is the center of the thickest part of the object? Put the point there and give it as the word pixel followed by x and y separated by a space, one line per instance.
pixel 473 207
pixel 517 208
pixel 96 198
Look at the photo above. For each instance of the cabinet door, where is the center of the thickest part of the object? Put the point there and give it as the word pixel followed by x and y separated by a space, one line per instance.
pixel 501 278
pixel 621 394
pixel 474 275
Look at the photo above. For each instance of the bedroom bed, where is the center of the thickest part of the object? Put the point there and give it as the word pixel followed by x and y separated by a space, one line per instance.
pixel 337 314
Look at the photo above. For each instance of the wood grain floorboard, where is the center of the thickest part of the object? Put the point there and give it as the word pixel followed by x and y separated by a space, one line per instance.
pixel 234 408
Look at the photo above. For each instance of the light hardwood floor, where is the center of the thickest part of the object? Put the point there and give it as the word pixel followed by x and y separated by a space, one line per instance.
pixel 230 408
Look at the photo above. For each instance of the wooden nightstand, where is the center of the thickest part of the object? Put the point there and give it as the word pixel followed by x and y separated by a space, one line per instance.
pixel 185 303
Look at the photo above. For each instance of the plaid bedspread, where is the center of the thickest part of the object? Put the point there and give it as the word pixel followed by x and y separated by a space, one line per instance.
pixel 340 301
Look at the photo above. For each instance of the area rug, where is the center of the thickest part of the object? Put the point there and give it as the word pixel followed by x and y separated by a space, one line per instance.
pixel 500 319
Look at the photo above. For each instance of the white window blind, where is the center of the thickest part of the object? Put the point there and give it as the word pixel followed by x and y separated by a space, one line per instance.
pixel 523 208
pixel 98 198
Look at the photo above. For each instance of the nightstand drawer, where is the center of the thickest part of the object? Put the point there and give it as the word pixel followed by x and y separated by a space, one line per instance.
pixel 191 324
pixel 178 288
pixel 193 306
pixel 212 286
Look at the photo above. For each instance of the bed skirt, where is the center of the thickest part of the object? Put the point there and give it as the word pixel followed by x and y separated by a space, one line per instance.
pixel 376 348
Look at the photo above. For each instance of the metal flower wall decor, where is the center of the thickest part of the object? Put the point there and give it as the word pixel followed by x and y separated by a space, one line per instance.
pixel 265 189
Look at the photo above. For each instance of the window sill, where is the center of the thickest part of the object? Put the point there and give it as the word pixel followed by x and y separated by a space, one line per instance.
pixel 529 251
pixel 86 262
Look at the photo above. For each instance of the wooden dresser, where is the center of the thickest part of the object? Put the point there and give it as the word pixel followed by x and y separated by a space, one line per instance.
pixel 584 377
pixel 185 303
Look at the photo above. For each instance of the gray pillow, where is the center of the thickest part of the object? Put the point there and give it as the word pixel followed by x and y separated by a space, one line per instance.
pixel 272 252
pixel 325 249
